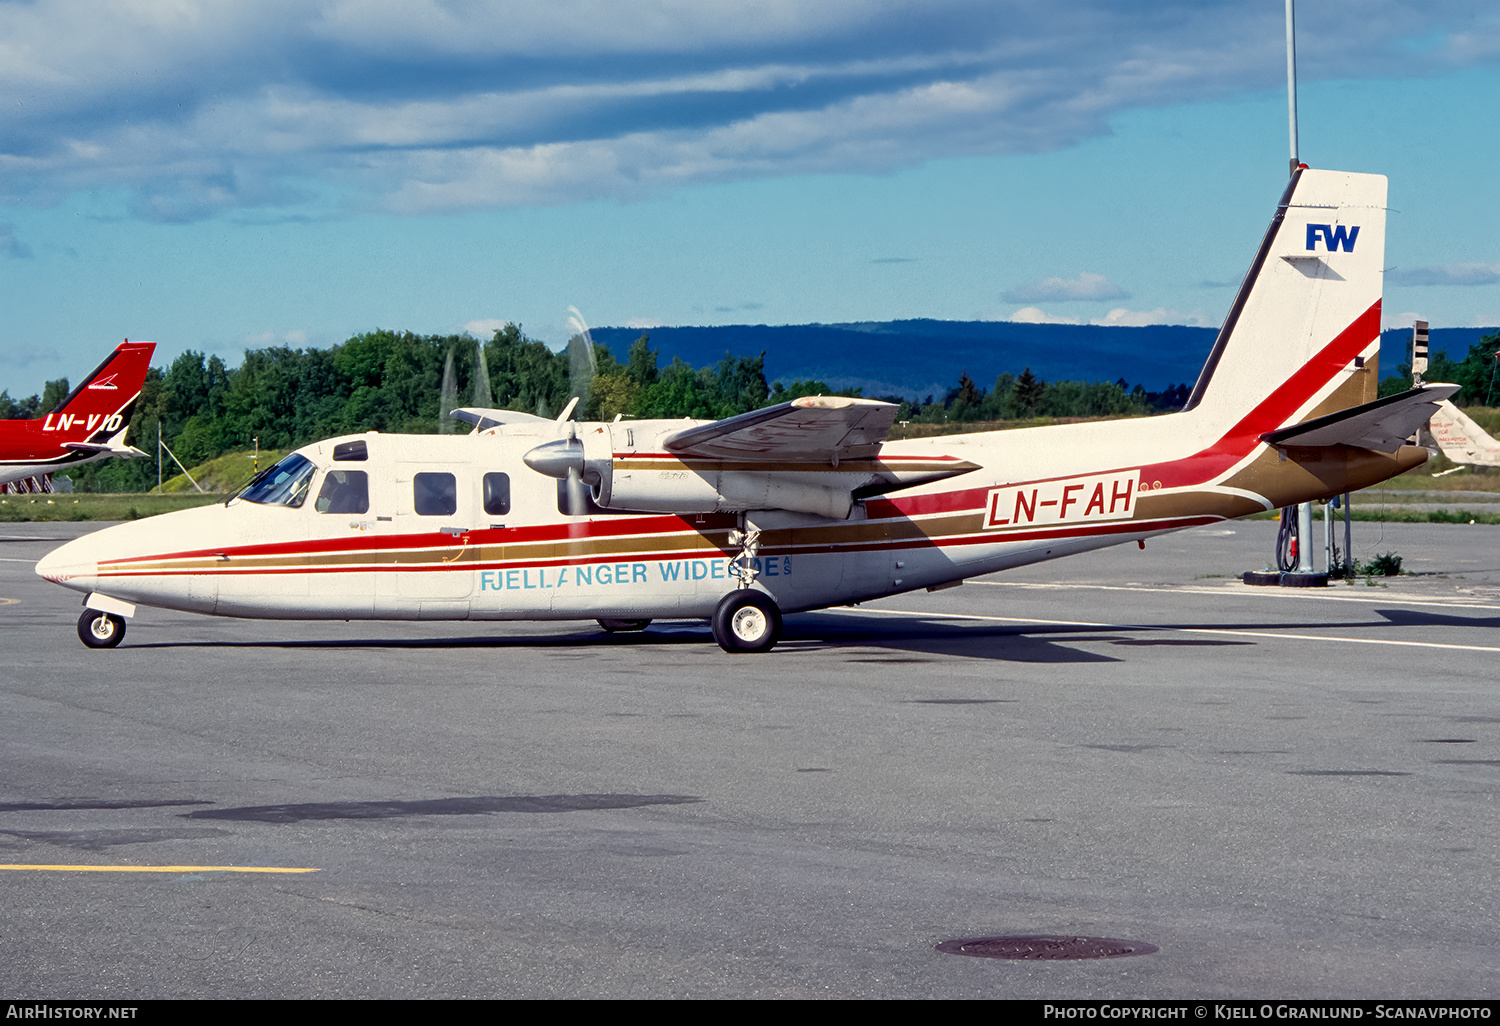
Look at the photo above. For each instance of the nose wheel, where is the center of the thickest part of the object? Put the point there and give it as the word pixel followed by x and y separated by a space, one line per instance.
pixel 746 621
pixel 100 630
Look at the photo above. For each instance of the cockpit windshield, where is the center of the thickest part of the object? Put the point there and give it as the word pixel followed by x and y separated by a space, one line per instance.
pixel 284 484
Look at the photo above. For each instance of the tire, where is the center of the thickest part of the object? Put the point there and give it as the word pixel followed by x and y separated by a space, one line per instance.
pixel 100 630
pixel 619 626
pixel 746 621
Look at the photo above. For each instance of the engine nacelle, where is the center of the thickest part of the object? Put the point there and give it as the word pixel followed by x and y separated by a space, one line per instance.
pixel 733 491
pixel 625 468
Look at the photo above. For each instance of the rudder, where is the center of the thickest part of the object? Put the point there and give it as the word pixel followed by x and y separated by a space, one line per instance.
pixel 1302 338
pixel 100 407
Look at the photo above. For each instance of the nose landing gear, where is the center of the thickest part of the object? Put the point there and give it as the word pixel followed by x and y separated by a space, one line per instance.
pixel 100 630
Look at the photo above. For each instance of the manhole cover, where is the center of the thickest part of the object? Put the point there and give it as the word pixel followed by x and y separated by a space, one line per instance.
pixel 1038 948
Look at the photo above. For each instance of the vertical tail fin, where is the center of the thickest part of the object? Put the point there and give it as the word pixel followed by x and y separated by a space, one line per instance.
pixel 1302 338
pixel 1462 440
pixel 99 409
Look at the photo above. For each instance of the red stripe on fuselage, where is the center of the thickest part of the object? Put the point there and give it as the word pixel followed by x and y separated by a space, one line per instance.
pixel 1274 411
pixel 1125 527
pixel 613 527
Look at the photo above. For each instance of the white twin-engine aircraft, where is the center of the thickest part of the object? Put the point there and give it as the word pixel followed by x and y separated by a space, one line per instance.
pixel 799 506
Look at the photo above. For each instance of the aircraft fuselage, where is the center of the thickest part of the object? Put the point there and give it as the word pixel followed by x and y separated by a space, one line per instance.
pixel 458 527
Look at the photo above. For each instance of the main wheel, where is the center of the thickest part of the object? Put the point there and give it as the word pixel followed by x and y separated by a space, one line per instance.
pixel 100 630
pixel 617 626
pixel 747 621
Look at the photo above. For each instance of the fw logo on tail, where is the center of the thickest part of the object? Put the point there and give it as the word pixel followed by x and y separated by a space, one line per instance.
pixel 1335 237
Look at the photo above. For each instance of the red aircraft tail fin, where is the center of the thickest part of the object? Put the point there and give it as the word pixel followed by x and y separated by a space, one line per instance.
pixel 99 409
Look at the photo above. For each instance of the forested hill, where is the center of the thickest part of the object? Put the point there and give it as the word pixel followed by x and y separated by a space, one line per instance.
pixel 917 358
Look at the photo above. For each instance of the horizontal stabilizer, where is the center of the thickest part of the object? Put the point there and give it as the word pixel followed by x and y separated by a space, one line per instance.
pixel 1383 425
pixel 813 429
pixel 128 451
pixel 484 419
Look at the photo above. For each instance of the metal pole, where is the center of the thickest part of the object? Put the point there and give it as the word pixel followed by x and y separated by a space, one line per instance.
pixel 1349 543
pixel 1328 536
pixel 179 465
pixel 1291 79
pixel 1305 535
pixel 1304 510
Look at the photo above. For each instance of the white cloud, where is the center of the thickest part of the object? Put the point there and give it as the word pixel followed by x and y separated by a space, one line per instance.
pixel 1086 286
pixel 25 356
pixel 417 106
pixel 485 328
pixel 1120 316
pixel 1033 315
pixel 1161 315
pixel 1446 274
pixel 1399 320
pixel 262 339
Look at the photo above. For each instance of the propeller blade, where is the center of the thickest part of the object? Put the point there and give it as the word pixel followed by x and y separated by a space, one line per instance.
pixel 577 497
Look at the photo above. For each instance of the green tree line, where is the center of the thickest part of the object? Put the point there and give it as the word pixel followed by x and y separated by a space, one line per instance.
pixel 398 381
pixel 1477 374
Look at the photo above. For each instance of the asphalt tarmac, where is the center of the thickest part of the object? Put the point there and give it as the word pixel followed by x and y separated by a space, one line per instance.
pixel 1288 792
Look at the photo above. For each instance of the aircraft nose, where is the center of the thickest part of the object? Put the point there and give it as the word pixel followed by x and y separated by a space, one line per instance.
pixel 70 566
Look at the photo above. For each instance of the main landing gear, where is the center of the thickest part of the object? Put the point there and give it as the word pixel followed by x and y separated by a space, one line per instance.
pixel 100 630
pixel 746 621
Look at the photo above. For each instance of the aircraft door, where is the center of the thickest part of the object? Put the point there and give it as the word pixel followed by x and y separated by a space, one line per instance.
pixel 870 565
pixel 344 516
pixel 495 547
pixel 431 573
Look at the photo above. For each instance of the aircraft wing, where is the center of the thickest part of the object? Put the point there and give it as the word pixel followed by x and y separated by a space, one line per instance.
pixel 1384 425
pixel 813 429
pixel 484 419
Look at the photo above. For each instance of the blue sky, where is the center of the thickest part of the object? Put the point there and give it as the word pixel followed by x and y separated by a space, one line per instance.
pixel 221 175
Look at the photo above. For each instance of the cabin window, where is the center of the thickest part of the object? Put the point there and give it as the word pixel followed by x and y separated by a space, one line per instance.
pixel 497 494
pixel 350 452
pixel 434 495
pixel 344 491
pixel 283 484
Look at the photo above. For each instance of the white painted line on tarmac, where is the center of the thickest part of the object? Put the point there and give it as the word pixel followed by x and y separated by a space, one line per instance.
pixel 1242 591
pixel 160 869
pixel 1231 632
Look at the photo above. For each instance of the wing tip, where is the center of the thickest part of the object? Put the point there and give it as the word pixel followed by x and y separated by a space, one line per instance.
pixel 835 402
